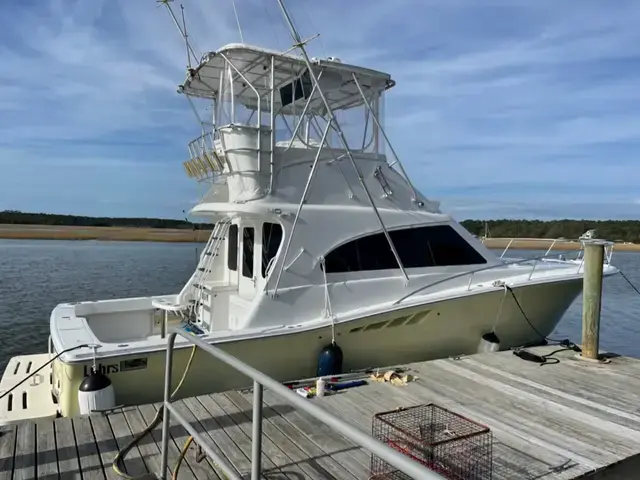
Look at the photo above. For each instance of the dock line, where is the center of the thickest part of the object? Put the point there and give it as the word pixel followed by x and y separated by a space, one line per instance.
pixel 544 359
pixel 629 282
pixel 543 337
pixel 541 359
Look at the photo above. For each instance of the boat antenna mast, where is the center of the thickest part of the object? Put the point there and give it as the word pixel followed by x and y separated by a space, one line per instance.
pixel 235 12
pixel 195 167
pixel 182 29
pixel 300 44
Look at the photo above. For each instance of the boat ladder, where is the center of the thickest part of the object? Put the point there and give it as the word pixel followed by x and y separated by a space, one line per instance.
pixel 191 296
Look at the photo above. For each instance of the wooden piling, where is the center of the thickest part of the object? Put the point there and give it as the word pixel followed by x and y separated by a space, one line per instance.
pixel 592 298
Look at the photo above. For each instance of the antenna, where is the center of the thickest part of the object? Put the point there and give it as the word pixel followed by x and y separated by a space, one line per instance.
pixel 299 43
pixel 182 32
pixel 186 35
pixel 233 2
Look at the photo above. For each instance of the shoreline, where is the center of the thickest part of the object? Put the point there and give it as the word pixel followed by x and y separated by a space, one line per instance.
pixel 180 235
pixel 116 234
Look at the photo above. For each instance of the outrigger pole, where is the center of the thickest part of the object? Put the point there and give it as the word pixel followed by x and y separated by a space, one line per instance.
pixel 298 43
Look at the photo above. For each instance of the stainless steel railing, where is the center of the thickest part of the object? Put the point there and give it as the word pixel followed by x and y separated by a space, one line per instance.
pixel 552 243
pixel 535 261
pixel 260 381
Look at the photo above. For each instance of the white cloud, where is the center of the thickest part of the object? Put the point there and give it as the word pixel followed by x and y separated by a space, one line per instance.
pixel 490 92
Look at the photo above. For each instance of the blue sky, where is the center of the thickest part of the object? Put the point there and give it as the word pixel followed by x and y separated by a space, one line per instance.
pixel 503 108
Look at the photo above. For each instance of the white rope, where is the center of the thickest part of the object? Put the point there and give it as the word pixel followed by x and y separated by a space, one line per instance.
pixel 94 354
pixel 327 300
pixel 504 295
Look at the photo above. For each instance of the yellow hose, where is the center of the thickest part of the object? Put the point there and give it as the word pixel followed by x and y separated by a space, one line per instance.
pixel 154 423
pixel 183 452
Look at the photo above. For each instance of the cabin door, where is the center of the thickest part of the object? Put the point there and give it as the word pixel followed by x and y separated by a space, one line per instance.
pixel 248 267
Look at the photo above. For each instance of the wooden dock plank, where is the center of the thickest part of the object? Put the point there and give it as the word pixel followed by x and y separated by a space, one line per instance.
pixel 25 459
pixel 282 463
pixel 604 386
pixel 107 446
pixel 222 443
pixel 532 422
pixel 457 391
pixel 46 453
pixel 148 413
pixel 68 461
pixel 149 451
pixel 88 453
pixel 538 453
pixel 133 461
pixel 360 404
pixel 236 433
pixel 329 441
pixel 568 395
pixel 207 466
pixel 179 436
pixel 600 442
pixel 541 450
pixel 7 451
pixel 509 462
pixel 359 410
pixel 312 460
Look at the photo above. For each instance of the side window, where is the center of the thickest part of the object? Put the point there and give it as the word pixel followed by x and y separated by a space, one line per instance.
pixel 429 246
pixel 367 253
pixel 271 239
pixel 447 247
pixel 232 259
pixel 248 234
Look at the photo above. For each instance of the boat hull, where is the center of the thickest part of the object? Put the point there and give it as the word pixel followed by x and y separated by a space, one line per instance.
pixel 441 329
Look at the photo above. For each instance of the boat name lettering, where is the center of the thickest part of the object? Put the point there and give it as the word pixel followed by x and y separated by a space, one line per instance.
pixel 103 369
pixel 122 366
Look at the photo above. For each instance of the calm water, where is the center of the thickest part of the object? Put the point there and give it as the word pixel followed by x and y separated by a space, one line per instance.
pixel 36 275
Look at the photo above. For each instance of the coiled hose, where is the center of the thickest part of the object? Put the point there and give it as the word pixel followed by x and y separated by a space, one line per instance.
pixel 117 466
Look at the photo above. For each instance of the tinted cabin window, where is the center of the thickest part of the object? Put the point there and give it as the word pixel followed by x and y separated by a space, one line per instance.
pixel 271 238
pixel 248 234
pixel 232 259
pixel 300 88
pixel 432 246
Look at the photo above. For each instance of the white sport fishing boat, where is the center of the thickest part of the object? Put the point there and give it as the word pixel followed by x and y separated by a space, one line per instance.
pixel 320 238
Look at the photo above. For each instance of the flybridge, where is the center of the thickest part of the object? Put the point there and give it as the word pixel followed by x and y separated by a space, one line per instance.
pixel 265 103
pixel 268 90
pixel 250 74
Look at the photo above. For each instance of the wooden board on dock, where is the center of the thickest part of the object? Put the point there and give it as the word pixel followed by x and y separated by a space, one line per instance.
pixel 84 447
pixel 573 419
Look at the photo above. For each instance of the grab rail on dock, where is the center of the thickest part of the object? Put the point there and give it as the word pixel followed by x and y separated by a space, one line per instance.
pixel 260 381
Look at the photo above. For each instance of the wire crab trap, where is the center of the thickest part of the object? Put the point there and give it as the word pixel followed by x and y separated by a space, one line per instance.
pixel 453 446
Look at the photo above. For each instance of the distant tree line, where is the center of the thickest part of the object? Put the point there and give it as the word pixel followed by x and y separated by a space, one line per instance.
pixel 615 230
pixel 21 218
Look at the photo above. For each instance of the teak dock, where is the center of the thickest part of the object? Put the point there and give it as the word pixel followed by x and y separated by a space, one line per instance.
pixel 573 419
